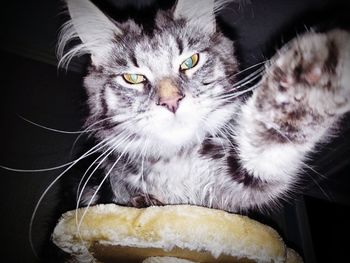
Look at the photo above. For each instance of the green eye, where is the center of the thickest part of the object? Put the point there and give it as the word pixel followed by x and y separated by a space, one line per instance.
pixel 189 63
pixel 134 78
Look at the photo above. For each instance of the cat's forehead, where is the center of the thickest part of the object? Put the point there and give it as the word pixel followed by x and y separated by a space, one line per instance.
pixel 161 50
pixel 158 53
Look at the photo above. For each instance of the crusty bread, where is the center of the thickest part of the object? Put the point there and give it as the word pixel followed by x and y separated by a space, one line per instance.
pixel 111 233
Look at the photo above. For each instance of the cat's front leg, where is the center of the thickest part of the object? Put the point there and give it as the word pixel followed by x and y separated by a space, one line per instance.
pixel 304 92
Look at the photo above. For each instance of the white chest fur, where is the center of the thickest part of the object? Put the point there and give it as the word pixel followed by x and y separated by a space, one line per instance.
pixel 185 178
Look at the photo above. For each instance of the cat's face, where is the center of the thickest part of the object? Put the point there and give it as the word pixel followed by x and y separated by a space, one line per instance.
pixel 167 88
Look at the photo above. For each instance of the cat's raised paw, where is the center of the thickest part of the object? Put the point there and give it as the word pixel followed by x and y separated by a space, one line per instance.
pixel 311 60
pixel 313 69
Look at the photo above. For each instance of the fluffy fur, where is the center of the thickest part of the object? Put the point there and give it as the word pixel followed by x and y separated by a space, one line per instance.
pixel 217 150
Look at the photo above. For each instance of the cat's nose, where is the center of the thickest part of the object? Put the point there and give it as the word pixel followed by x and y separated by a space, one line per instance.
pixel 172 104
pixel 169 94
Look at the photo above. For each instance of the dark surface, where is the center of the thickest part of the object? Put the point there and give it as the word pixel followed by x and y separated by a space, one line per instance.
pixel 329 225
pixel 34 88
pixel 35 91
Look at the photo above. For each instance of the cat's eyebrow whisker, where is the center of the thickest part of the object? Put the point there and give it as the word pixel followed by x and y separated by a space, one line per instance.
pixel 100 185
pixel 92 150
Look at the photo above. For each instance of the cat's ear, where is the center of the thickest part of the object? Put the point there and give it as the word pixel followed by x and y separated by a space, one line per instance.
pixel 92 26
pixel 199 13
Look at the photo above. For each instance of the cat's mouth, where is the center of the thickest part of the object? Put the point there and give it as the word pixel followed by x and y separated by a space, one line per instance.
pixel 178 127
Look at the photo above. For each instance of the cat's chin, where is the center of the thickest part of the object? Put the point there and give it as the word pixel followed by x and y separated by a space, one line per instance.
pixel 179 138
pixel 179 129
pixel 177 134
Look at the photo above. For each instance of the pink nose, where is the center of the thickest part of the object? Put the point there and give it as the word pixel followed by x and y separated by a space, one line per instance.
pixel 172 104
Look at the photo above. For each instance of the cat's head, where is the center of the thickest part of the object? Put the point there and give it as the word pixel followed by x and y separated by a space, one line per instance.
pixel 165 88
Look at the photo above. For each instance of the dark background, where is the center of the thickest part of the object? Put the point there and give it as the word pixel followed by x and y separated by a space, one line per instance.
pixel 314 222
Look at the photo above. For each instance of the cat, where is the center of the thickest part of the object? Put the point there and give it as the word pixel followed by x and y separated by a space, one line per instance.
pixel 172 123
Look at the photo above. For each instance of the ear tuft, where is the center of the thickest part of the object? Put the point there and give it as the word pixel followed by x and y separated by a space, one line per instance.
pixel 91 26
pixel 200 13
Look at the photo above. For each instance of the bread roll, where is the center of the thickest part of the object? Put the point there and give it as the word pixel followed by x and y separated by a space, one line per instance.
pixel 179 233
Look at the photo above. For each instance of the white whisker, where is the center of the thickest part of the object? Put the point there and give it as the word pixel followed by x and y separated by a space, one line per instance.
pixel 109 151
pixel 87 128
pixel 80 193
pixel 256 74
pixel 100 185
pixel 43 169
pixel 92 164
pixel 250 67
pixel 237 94
pixel 92 150
pixel 52 129
pixel 143 156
